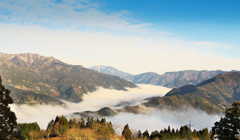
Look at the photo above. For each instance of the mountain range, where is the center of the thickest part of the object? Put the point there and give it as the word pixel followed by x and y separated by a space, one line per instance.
pixel 168 79
pixel 34 79
pixel 212 96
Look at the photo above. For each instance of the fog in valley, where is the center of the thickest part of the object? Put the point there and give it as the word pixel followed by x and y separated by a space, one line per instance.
pixel 151 120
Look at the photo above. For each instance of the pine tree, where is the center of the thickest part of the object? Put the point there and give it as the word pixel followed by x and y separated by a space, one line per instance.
pixel 7 117
pixel 228 127
pixel 79 124
pixel 126 133
pixel 169 129
pixel 194 133
pixel 103 121
pixel 98 121
pixel 154 135
pixel 90 122
pixel 184 131
pixel 146 134
pixel 82 123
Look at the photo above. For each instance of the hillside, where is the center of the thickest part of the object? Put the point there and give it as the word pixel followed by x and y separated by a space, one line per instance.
pixel 213 95
pixel 168 79
pixel 50 78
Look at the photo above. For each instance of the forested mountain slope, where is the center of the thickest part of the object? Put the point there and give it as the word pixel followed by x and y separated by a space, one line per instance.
pixel 50 78
pixel 213 95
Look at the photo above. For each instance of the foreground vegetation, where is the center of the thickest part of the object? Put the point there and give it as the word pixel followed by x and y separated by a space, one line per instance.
pixel 61 128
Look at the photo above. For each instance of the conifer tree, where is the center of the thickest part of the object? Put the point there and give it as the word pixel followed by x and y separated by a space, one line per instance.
pixel 169 129
pixel 49 128
pixel 139 134
pixel 56 119
pixel 82 123
pixel 79 124
pixel 126 133
pixel 103 121
pixel 228 127
pixel 90 122
pixel 177 133
pixel 194 133
pixel 7 117
pixel 184 131
pixel 154 135
pixel 72 123
pixel 146 134
pixel 61 126
pixel 98 121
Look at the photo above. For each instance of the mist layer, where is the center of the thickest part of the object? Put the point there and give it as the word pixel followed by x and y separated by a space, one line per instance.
pixel 152 120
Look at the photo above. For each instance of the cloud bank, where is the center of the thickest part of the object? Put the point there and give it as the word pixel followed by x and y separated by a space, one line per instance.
pixel 160 119
pixel 152 120
pixel 91 101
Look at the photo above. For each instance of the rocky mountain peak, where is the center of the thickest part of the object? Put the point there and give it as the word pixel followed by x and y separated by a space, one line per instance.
pixel 28 59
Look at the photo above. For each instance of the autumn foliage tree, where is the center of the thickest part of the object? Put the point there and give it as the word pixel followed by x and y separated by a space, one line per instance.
pixel 7 117
pixel 60 126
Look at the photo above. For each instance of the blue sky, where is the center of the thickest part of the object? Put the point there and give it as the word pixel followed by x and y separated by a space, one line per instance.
pixel 132 35
pixel 199 20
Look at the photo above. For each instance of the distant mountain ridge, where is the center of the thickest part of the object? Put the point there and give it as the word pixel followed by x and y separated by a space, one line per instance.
pixel 168 79
pixel 32 78
pixel 112 71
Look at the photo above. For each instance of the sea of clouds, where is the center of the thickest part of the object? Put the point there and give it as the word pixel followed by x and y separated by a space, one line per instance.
pixel 152 120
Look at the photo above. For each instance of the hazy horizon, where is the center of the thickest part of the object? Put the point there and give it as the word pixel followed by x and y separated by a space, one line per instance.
pixel 133 36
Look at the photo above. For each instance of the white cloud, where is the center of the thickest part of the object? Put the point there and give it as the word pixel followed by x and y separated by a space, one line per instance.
pixel 132 54
pixel 160 119
pixel 66 14
pixel 151 120
pixel 91 101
